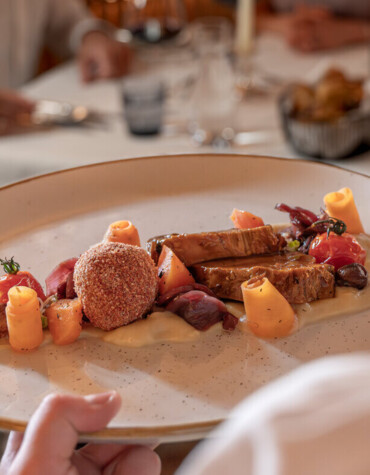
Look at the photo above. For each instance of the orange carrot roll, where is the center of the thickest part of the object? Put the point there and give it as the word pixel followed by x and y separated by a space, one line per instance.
pixel 269 314
pixel 341 205
pixel 65 320
pixel 122 231
pixel 245 219
pixel 23 318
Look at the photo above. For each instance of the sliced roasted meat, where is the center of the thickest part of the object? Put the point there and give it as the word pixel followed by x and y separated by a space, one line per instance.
pixel 201 247
pixel 294 274
pixel 154 245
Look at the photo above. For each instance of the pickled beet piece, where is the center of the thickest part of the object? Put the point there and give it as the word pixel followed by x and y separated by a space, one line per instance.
pixel 200 310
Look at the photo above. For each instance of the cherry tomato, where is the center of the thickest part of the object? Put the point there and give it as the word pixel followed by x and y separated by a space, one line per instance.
pixel 337 250
pixel 20 278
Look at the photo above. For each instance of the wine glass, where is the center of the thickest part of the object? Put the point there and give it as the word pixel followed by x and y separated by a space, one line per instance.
pixel 153 21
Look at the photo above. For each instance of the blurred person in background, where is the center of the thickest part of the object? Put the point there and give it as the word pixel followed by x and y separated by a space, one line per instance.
pixel 313 25
pixel 316 25
pixel 66 28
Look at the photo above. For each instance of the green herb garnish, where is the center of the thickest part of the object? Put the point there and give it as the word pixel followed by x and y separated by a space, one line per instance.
pixel 9 265
pixel 44 322
pixel 335 225
pixel 294 245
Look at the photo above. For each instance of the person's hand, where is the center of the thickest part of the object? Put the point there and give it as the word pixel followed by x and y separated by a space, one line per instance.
pixel 15 111
pixel 47 447
pixel 309 29
pixel 101 57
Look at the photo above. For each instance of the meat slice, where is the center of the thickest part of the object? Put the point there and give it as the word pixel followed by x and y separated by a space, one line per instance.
pixel 200 247
pixel 294 274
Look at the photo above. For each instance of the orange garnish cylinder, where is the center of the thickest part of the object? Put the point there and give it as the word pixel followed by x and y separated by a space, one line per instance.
pixel 23 318
pixel 122 231
pixel 269 314
pixel 341 205
pixel 65 320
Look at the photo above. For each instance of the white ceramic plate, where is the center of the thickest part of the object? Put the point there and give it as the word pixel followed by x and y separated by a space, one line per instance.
pixel 170 392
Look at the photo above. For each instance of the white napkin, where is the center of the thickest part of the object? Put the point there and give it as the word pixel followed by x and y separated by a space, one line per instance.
pixel 315 420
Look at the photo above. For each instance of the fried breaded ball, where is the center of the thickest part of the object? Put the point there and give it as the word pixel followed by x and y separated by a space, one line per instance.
pixel 116 283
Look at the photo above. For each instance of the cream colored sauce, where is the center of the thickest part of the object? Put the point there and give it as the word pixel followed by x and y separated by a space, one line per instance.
pixel 236 309
pixel 347 301
pixel 158 327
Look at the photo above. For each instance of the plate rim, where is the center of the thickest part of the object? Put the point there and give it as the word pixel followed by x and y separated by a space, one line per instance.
pixel 174 156
pixel 129 433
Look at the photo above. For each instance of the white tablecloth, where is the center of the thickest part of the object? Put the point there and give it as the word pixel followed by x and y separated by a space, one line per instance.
pixel 34 153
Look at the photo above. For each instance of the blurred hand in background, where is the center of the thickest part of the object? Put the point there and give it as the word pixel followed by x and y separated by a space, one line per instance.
pixel 102 57
pixel 57 30
pixel 313 28
pixel 15 111
pixel 317 28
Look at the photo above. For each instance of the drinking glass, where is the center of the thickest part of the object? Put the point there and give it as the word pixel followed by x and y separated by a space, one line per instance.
pixel 143 100
pixel 153 21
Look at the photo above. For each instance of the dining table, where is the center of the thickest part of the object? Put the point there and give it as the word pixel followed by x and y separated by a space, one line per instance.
pixel 256 116
pixel 256 119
